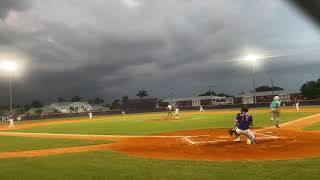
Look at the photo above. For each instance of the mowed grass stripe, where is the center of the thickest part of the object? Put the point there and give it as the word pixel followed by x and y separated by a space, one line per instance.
pixel 9 144
pixel 156 123
pixel 110 165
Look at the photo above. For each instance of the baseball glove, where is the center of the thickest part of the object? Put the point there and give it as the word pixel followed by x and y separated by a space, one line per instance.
pixel 233 131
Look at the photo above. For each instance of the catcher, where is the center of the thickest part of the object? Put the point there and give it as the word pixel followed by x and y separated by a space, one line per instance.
pixel 242 125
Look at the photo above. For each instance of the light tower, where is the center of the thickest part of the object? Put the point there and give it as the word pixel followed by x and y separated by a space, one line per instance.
pixel 11 67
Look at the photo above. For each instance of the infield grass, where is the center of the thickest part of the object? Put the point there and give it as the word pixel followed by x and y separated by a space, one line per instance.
pixel 315 126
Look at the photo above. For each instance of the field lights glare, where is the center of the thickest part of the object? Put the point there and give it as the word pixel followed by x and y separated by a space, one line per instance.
pixel 252 58
pixel 9 66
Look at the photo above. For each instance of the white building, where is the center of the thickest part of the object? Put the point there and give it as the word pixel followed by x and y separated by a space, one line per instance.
pixel 199 100
pixel 267 96
pixel 62 107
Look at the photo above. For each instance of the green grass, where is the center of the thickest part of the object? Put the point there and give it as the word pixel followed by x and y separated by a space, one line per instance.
pixel 315 126
pixel 110 165
pixel 155 123
pixel 9 144
pixel 104 165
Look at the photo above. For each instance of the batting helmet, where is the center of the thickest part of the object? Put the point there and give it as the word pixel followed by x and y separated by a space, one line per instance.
pixel 244 108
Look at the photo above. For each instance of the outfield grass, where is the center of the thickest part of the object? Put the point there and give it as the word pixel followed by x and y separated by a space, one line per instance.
pixel 110 165
pixel 148 124
pixel 9 144
pixel 315 126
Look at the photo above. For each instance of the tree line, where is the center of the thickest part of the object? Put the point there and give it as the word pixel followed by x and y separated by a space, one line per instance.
pixel 309 90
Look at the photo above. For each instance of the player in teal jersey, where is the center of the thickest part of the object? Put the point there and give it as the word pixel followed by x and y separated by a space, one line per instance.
pixel 275 110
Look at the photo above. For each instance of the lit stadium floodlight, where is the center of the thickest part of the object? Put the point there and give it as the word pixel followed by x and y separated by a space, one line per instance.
pixel 10 66
pixel 252 58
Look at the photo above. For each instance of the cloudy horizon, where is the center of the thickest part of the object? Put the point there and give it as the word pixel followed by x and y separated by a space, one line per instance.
pixel 114 48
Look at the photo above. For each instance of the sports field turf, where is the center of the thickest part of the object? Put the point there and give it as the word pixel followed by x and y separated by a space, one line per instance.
pixel 107 164
pixel 110 165
pixel 315 126
pixel 149 124
pixel 28 143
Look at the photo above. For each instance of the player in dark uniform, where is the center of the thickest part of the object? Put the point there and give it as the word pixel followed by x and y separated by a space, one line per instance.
pixel 242 125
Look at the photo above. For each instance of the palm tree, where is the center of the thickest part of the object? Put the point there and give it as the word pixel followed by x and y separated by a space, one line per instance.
pixel 142 93
pixel 61 99
pixel 98 100
pixel 76 99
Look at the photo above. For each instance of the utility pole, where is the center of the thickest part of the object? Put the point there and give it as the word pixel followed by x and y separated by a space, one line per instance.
pixel 10 92
pixel 254 85
pixel 272 85
pixel 211 93
pixel 171 94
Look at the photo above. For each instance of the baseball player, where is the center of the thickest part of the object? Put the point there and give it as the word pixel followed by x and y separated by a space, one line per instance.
pixel 201 109
pixel 275 110
pixel 169 109
pixel 123 113
pixel 242 125
pixel 297 104
pixel 90 114
pixel 176 112
pixel 11 117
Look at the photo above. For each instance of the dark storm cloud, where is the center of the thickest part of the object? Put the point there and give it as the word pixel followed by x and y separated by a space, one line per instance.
pixel 6 5
pixel 113 48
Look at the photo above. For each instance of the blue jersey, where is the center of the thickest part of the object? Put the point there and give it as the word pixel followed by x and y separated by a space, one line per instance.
pixel 244 121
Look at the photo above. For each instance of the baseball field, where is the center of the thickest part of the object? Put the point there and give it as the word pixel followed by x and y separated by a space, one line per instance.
pixel 193 145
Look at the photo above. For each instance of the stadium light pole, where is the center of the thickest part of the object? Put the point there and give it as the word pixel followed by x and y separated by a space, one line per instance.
pixel 11 67
pixel 253 60
pixel 211 94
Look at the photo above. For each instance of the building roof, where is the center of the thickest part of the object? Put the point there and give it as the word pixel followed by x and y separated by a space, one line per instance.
pixel 59 104
pixel 268 93
pixel 194 98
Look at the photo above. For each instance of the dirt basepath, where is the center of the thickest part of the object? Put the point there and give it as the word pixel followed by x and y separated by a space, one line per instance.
pixel 288 142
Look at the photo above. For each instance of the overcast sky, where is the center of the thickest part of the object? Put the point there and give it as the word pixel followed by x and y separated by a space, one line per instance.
pixel 113 48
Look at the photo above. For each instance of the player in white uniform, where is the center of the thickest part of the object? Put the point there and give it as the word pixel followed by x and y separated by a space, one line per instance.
pixel 169 109
pixel 297 104
pixel 176 112
pixel 201 109
pixel 11 117
pixel 123 112
pixel 90 114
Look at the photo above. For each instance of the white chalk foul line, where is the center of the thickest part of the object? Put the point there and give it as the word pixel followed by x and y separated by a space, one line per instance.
pixel 188 140
pixel 87 135
pixel 265 135
pixel 203 142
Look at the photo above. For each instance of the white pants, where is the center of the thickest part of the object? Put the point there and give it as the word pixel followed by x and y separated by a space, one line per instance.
pixel 90 115
pixel 201 110
pixel 247 133
pixel 297 106
pixel 11 123
pixel 176 112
